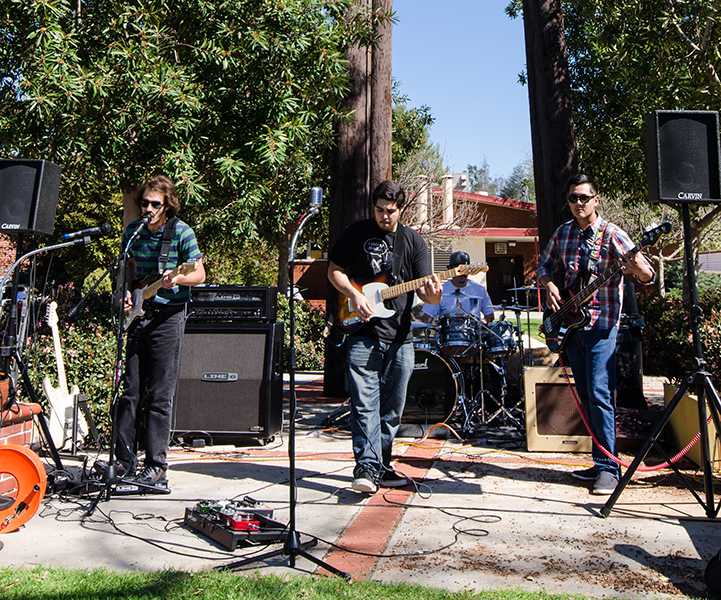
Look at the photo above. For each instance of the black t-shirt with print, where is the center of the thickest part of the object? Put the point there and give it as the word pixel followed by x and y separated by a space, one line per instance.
pixel 365 252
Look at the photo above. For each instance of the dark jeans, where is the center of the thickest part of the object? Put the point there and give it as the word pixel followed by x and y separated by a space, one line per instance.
pixel 151 370
pixel 592 355
pixel 378 374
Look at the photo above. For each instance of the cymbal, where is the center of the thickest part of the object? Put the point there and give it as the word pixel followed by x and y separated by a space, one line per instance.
pixel 513 307
pixel 527 288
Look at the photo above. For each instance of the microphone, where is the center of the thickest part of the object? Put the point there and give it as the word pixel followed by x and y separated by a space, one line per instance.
pixel 316 198
pixel 103 229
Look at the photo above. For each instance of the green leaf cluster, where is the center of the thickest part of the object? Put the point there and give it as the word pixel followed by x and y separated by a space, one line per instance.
pixel 233 99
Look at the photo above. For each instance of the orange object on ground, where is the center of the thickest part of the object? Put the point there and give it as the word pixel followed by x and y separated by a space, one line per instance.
pixel 25 467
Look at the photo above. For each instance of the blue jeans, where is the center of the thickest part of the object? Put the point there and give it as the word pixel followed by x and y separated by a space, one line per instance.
pixel 592 356
pixel 378 374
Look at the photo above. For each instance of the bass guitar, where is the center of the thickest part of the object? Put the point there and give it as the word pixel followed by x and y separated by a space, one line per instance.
pixel 377 292
pixel 142 294
pixel 61 400
pixel 573 313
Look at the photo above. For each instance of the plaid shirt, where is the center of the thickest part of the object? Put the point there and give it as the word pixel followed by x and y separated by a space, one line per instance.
pixel 560 261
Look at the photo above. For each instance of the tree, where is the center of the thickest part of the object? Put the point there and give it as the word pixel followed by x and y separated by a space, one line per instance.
pixel 612 47
pixel 235 100
pixel 552 132
pixel 481 180
pixel 410 130
pixel 520 184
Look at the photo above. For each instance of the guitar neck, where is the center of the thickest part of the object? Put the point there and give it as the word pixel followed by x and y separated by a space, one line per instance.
pixel 62 380
pixel 150 290
pixel 411 286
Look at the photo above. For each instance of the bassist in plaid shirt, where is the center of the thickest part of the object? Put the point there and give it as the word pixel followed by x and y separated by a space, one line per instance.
pixel 579 249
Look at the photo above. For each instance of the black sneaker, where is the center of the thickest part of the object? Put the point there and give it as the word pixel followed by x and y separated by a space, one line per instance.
pixel 589 474
pixel 155 478
pixel 392 479
pixel 364 480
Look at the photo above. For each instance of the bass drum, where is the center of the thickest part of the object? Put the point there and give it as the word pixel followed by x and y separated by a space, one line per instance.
pixel 433 389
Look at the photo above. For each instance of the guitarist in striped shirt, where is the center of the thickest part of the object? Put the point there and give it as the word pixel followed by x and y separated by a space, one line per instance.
pixel 380 355
pixel 578 250
pixel 153 346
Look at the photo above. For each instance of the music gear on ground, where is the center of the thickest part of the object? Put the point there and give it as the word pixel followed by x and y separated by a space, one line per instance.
pixel 233 523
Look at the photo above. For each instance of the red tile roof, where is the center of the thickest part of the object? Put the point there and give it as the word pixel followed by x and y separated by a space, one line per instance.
pixel 487 199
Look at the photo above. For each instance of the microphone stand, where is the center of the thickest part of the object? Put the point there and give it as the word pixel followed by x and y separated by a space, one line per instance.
pixel 111 478
pixel 292 546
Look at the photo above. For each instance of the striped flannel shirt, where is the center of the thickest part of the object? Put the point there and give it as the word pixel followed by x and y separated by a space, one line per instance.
pixel 145 252
pixel 560 262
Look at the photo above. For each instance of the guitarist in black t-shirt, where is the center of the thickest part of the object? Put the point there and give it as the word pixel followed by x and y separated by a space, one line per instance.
pixel 380 354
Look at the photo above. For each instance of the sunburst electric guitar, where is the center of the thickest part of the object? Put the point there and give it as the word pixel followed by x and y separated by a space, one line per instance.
pixel 573 313
pixel 378 292
pixel 61 400
pixel 142 294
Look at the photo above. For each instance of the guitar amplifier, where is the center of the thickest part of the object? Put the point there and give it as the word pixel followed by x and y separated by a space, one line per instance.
pixel 232 304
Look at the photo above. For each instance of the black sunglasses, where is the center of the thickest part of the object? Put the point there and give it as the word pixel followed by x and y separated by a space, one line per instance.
pixel 582 198
pixel 154 203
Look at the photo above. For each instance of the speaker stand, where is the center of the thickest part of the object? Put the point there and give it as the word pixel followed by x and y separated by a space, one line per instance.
pixel 293 548
pixel 699 381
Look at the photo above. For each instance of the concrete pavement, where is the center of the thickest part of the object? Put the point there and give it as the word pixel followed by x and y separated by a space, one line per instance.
pixel 479 518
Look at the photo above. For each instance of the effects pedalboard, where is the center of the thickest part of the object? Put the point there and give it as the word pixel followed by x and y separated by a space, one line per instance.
pixel 232 523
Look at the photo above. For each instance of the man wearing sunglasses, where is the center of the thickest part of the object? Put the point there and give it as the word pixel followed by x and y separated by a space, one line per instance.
pixel 153 346
pixel 380 355
pixel 578 250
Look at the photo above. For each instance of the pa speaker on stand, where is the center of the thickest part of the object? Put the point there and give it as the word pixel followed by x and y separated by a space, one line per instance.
pixel 28 195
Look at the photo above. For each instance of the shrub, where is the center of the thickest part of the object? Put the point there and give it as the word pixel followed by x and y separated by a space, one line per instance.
pixel 309 335
pixel 668 347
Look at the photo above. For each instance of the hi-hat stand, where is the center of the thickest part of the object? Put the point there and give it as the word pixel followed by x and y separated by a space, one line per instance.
pixel 293 548
pixel 698 382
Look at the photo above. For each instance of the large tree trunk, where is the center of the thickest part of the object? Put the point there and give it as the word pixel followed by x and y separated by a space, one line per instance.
pixel 552 136
pixel 363 156
pixel 381 97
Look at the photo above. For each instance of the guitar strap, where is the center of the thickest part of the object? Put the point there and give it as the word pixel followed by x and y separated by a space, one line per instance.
pixel 168 235
pixel 596 252
pixel 398 251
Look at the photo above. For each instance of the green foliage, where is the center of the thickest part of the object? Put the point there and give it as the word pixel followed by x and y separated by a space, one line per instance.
pixel 410 128
pixel 249 263
pixel 668 349
pixel 89 357
pixel 520 184
pixel 310 327
pixel 481 180
pixel 235 100
pixel 627 58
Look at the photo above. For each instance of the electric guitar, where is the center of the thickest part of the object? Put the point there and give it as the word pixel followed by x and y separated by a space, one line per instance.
pixel 62 401
pixel 142 294
pixel 377 292
pixel 573 313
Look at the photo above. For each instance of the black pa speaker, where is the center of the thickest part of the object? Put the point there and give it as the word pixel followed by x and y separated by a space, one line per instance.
pixel 682 158
pixel 230 383
pixel 28 195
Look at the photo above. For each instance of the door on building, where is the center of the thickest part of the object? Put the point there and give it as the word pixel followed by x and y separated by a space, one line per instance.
pixel 504 272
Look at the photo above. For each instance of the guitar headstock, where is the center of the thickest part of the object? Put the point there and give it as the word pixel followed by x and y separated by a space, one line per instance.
pixel 468 269
pixel 650 236
pixel 52 314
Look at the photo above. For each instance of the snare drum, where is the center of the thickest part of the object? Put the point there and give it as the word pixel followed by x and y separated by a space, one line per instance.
pixel 499 339
pixel 433 389
pixel 425 336
pixel 458 334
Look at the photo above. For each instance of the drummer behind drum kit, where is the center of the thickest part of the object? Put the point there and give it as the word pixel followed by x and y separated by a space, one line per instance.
pixel 460 375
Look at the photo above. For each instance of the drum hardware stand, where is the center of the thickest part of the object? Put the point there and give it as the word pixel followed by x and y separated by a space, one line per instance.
pixel 698 381
pixel 293 548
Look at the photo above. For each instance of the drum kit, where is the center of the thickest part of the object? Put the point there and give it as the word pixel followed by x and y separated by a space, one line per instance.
pixel 461 373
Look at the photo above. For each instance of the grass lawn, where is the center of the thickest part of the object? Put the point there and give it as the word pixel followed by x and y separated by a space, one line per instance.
pixel 62 584
pixel 535 324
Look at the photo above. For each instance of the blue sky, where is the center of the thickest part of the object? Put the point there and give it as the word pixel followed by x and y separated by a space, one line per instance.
pixel 462 58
